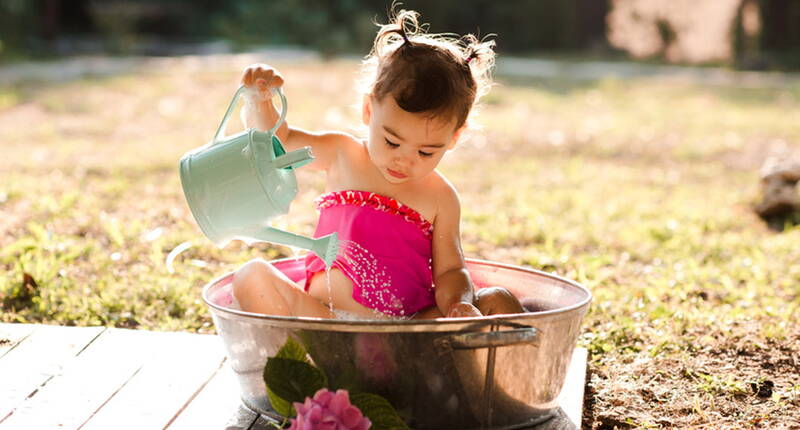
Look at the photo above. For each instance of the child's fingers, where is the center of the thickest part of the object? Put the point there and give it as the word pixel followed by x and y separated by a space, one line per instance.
pixel 247 77
pixel 268 87
pixel 262 80
pixel 462 310
pixel 254 71
pixel 277 80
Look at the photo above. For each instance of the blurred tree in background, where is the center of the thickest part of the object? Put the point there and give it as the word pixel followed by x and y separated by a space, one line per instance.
pixel 747 33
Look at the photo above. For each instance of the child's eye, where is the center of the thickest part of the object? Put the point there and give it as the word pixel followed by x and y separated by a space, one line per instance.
pixel 425 154
pixel 392 144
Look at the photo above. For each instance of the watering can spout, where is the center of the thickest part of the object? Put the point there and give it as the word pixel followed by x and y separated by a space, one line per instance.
pixel 294 159
pixel 326 247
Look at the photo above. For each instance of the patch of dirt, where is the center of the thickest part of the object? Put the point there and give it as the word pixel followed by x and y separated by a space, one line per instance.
pixel 741 381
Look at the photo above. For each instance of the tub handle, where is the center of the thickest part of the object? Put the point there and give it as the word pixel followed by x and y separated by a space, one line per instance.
pixel 489 339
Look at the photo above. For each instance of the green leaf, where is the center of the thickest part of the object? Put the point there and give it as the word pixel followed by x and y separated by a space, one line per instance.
pixel 379 411
pixel 279 405
pixel 293 350
pixel 293 380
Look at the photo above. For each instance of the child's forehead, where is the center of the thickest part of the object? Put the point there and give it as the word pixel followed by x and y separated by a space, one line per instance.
pixel 399 120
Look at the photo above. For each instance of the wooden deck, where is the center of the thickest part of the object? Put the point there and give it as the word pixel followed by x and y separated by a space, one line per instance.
pixel 91 378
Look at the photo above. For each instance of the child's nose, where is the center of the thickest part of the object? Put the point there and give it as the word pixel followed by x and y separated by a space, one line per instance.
pixel 403 160
pixel 411 155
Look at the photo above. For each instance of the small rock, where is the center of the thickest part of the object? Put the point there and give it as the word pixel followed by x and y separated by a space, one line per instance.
pixel 762 389
pixel 779 194
pixel 786 169
pixel 608 422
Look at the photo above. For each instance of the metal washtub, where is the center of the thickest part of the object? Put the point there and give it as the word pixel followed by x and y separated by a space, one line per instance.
pixel 492 372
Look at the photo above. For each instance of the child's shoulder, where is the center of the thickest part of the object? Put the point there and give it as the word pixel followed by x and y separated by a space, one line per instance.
pixel 444 193
pixel 340 139
pixel 337 145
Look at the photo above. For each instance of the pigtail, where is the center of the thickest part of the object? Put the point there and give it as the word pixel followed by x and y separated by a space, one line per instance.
pixel 479 60
pixel 398 32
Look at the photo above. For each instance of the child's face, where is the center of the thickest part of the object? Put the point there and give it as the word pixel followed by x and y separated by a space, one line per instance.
pixel 405 146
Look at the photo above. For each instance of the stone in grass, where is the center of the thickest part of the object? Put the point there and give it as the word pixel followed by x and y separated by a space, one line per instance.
pixel 763 389
pixel 779 195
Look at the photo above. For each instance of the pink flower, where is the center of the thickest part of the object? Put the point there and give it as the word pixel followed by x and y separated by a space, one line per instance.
pixel 329 411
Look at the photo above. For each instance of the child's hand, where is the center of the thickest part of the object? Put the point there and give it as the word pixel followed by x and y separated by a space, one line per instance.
pixel 263 78
pixel 463 310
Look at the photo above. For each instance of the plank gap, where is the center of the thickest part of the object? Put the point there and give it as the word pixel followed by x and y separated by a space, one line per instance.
pixel 92 341
pixel 16 344
pixel 10 331
pixel 192 397
pixel 108 399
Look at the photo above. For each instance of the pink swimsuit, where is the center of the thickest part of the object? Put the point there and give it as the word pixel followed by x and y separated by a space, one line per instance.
pixel 385 250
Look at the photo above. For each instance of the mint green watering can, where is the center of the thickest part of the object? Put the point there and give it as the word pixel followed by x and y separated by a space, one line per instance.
pixel 236 184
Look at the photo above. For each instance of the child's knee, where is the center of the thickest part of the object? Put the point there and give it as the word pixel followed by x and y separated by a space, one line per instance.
pixel 497 300
pixel 253 274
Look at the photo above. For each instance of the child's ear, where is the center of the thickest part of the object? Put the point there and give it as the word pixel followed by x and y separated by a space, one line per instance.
pixel 456 136
pixel 366 109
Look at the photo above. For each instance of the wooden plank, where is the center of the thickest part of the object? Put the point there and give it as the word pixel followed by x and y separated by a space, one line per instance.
pixel 571 397
pixel 178 366
pixel 218 400
pixel 243 419
pixel 12 334
pixel 37 359
pixel 85 383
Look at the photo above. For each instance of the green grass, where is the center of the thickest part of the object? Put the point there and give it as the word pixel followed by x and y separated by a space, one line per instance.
pixel 641 190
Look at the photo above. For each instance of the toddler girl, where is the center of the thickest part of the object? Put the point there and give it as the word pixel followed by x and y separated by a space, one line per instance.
pixel 383 194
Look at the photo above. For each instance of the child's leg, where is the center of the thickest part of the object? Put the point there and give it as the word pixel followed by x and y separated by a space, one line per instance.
pixel 261 288
pixel 497 300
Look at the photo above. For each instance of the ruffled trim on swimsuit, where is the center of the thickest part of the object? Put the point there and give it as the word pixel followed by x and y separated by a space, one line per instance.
pixel 377 201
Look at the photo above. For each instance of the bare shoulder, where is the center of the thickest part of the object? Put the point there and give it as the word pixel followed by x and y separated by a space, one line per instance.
pixel 339 140
pixel 327 146
pixel 346 144
pixel 448 204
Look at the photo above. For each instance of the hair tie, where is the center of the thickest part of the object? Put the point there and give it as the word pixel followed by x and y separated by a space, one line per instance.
pixel 405 38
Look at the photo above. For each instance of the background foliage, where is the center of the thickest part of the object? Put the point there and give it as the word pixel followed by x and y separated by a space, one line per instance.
pixel 524 27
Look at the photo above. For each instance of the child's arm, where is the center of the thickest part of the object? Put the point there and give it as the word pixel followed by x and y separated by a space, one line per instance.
pixel 263 115
pixel 454 290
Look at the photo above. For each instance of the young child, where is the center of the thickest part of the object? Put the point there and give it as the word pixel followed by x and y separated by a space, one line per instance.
pixel 383 193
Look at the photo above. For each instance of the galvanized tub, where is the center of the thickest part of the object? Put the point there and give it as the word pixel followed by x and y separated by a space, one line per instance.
pixel 492 372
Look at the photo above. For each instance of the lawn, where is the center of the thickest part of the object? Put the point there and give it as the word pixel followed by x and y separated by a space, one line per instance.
pixel 641 190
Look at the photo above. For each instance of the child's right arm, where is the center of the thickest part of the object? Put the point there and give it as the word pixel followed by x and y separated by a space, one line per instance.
pixel 264 79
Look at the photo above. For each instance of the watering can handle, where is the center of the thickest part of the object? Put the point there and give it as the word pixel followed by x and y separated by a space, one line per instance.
pixel 221 130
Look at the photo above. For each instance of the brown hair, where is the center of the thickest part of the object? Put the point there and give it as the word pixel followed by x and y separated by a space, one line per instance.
pixel 441 75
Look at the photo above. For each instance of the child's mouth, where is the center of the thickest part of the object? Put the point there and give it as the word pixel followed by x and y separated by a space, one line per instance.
pixel 397 175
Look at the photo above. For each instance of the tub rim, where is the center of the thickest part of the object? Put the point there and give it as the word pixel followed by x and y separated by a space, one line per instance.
pixel 378 325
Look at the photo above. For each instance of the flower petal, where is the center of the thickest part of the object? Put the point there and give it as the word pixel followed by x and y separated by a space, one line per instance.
pixel 314 416
pixel 323 397
pixel 339 402
pixel 351 416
